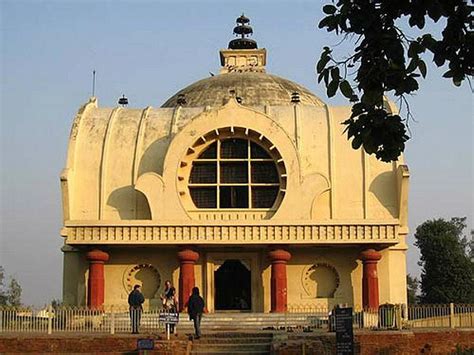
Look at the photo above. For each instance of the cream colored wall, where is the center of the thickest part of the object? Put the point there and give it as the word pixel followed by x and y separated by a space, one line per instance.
pixel 343 260
pixel 116 152
pixel 86 167
pixel 164 260
pixel 391 274
pixel 74 277
pixel 124 163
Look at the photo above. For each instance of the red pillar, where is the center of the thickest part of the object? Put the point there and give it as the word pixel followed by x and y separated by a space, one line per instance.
pixel 95 285
pixel 370 280
pixel 187 258
pixel 279 258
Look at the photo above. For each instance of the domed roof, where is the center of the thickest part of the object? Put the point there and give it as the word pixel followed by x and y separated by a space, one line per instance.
pixel 254 88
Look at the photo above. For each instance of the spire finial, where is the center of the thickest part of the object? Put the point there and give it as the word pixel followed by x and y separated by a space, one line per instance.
pixel 244 30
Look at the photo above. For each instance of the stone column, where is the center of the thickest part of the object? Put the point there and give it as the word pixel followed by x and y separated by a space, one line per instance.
pixel 279 258
pixel 187 258
pixel 370 280
pixel 95 284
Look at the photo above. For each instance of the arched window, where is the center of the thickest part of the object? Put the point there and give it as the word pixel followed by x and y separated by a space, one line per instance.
pixel 234 173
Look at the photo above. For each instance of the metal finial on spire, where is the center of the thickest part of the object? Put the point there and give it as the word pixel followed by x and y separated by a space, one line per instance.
pixel 243 29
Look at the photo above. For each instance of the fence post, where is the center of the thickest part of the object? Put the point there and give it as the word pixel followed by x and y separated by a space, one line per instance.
pixel 451 315
pixel 112 320
pixel 50 319
pixel 398 316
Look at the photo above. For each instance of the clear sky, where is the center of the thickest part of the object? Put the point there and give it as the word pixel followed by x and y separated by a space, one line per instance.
pixel 148 50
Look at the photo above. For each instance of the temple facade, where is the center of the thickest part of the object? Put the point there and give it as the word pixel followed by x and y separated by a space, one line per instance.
pixel 242 184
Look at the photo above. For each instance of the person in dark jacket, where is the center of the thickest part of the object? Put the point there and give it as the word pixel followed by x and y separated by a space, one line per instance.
pixel 135 300
pixel 195 310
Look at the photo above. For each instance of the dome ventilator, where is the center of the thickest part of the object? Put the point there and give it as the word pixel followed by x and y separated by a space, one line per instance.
pixel 123 101
pixel 295 97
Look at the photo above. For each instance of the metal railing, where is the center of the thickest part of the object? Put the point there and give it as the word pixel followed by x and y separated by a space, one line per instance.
pixel 113 319
pixel 393 316
pixel 117 319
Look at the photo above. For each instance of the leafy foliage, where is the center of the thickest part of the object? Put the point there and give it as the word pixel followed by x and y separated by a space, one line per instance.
pixel 412 289
pixel 447 270
pixel 385 59
pixel 3 296
pixel 57 303
pixel 11 295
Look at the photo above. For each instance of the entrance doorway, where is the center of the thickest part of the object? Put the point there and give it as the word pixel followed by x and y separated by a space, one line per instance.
pixel 232 287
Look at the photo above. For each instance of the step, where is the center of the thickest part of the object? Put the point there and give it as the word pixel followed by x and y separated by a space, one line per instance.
pixel 234 352
pixel 237 349
pixel 232 347
pixel 240 340
pixel 237 335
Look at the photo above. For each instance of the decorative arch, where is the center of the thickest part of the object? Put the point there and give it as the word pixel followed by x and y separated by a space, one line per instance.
pixel 320 280
pixel 145 275
pixel 228 116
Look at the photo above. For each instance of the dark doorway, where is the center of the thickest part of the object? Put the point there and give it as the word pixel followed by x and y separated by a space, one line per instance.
pixel 232 287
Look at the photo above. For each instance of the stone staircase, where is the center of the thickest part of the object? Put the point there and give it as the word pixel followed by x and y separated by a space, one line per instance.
pixel 233 343
pixel 253 321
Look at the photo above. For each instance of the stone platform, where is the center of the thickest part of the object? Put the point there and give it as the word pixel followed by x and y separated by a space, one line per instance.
pixel 243 342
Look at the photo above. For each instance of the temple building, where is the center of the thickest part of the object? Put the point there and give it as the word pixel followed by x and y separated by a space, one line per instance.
pixel 243 184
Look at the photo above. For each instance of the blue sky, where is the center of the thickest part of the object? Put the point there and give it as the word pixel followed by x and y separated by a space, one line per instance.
pixel 148 50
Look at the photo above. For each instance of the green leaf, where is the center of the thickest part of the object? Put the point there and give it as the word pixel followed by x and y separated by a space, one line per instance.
pixel 326 77
pixel 412 65
pixel 332 88
pixel 320 77
pixel 415 48
pixel 357 109
pixel 322 62
pixel 422 68
pixel 357 142
pixel 328 22
pixel 335 74
pixel 329 9
pixel 346 89
pixel 448 74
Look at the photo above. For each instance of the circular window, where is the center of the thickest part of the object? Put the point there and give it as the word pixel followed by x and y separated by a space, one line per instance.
pixel 233 169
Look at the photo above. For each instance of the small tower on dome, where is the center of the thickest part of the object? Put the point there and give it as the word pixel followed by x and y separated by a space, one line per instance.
pixel 243 54
pixel 243 29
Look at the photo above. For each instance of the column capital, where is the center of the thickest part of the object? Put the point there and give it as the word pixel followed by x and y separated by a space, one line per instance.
pixel 188 255
pixel 370 256
pixel 97 255
pixel 279 255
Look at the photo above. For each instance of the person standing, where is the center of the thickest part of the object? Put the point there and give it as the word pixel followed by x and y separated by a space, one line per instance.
pixel 170 303
pixel 135 301
pixel 166 293
pixel 195 310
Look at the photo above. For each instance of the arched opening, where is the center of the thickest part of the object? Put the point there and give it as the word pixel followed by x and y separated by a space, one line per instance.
pixel 232 282
pixel 322 280
pixel 232 173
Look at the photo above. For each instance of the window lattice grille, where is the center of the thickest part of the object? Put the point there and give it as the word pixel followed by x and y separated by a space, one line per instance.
pixel 234 173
